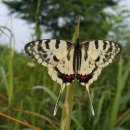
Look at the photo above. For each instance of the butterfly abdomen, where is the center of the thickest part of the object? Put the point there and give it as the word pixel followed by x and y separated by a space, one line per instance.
pixel 77 57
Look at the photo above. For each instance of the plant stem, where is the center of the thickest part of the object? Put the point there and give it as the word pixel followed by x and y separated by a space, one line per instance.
pixel 37 27
pixel 67 109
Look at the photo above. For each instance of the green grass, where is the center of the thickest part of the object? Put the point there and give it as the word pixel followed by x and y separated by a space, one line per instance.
pixel 10 76
pixel 28 93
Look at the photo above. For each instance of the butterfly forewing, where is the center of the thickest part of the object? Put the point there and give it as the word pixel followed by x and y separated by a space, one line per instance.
pixel 48 52
pixel 101 52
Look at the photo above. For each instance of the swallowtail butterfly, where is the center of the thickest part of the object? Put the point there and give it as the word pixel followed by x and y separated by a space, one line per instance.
pixel 67 61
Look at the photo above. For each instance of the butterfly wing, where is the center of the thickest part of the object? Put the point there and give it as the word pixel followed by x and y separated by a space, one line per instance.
pixel 96 55
pixel 56 55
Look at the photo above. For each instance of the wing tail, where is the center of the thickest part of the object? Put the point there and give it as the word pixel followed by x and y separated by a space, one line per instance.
pixel 91 105
pixel 56 106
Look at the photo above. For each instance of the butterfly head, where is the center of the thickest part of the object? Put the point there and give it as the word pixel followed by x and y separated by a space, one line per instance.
pixel 77 41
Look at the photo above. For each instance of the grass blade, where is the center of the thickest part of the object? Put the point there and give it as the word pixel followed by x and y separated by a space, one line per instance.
pixel 10 76
pixel 122 77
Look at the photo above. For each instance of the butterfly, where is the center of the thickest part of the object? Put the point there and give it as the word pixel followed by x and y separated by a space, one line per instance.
pixel 67 61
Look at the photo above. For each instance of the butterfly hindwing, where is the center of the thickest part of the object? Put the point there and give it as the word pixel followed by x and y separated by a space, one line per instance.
pixel 88 71
pixel 63 72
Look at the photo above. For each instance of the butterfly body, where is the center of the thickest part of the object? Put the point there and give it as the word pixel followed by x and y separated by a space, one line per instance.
pixel 77 56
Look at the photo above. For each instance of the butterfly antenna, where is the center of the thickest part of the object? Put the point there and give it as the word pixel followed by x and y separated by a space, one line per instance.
pixel 78 27
pixel 56 106
pixel 91 105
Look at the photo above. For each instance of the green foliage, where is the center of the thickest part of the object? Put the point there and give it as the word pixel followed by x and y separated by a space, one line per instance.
pixel 28 93
pixel 35 96
pixel 59 17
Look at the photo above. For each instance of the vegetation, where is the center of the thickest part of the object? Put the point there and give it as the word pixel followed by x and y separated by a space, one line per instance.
pixel 27 92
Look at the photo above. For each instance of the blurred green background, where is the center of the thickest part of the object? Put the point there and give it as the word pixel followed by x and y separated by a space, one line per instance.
pixel 28 93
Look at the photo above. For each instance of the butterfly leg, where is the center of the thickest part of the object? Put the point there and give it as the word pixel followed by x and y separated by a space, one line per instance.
pixel 91 105
pixel 56 106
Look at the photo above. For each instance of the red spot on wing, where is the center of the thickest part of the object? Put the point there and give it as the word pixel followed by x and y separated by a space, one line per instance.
pixel 68 76
pixel 82 76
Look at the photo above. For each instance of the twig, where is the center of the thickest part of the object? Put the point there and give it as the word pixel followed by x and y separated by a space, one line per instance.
pixel 19 121
pixel 123 116
pixel 51 122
